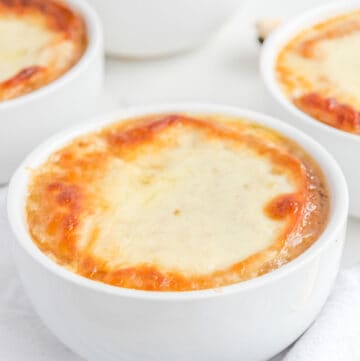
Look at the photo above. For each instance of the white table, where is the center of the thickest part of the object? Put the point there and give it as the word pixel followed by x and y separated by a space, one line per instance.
pixel 224 71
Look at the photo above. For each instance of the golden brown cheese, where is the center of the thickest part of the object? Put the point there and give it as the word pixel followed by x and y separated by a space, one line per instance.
pixel 177 202
pixel 39 41
pixel 319 71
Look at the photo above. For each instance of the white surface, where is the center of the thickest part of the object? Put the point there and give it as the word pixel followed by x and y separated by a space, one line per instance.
pixel 224 71
pixel 335 334
pixel 345 146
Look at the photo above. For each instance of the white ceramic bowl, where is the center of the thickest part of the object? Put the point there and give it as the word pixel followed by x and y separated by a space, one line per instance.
pixel 29 119
pixel 249 321
pixel 138 28
pixel 344 146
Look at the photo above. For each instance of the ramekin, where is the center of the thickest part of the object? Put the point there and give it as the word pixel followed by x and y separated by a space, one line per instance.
pixel 343 145
pixel 143 29
pixel 250 321
pixel 29 119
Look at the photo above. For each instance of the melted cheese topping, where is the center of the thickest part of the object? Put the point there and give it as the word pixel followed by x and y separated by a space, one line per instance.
pixel 37 45
pixel 175 203
pixel 324 60
pixel 176 233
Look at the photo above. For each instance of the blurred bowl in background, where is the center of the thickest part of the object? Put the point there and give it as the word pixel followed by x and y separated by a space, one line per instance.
pixel 152 28
pixel 29 119
pixel 343 145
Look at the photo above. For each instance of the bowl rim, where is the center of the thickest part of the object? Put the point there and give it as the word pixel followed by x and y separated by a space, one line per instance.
pixel 17 192
pixel 94 36
pixel 279 38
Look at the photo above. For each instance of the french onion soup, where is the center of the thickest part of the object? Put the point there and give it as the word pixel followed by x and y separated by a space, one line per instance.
pixel 40 40
pixel 319 71
pixel 177 202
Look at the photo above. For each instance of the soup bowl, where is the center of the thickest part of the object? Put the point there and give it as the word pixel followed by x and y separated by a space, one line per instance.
pixel 251 320
pixel 31 118
pixel 146 29
pixel 343 145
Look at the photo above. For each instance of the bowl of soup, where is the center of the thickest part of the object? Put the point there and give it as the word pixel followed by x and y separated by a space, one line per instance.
pixel 171 231
pixel 309 67
pixel 51 72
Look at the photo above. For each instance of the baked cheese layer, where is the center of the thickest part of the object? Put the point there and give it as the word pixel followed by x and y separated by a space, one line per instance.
pixel 319 71
pixel 39 41
pixel 199 207
pixel 176 202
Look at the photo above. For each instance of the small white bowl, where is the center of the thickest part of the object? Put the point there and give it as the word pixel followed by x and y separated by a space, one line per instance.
pixel 143 29
pixel 250 321
pixel 344 146
pixel 29 119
